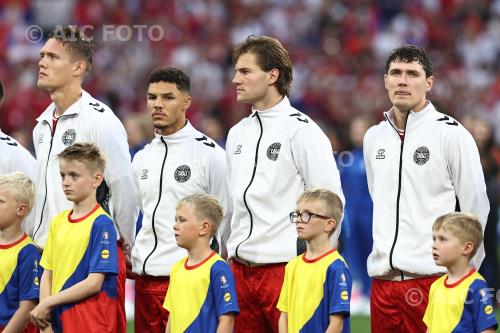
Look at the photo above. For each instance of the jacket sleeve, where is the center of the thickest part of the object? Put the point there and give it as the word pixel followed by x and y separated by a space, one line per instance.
pixel 313 155
pixel 111 138
pixel 366 158
pixel 218 187
pixel 468 179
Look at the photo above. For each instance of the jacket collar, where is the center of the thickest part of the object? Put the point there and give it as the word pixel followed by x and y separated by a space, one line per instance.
pixel 414 118
pixel 74 109
pixel 178 136
pixel 275 111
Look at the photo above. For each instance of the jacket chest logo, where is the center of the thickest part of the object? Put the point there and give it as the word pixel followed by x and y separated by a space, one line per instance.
pixel 273 151
pixel 69 137
pixel 144 174
pixel 421 155
pixel 238 150
pixel 380 154
pixel 182 173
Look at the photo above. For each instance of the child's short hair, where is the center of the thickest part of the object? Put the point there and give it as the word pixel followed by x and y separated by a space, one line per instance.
pixel 20 186
pixel 205 206
pixel 466 227
pixel 332 203
pixel 87 153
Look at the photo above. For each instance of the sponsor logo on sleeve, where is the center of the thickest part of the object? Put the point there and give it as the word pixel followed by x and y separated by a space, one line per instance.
pixel 488 309
pixel 380 154
pixel 344 295
pixel 227 297
pixel 105 254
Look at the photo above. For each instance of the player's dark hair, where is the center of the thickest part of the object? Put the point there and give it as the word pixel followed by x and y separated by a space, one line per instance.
pixel 410 53
pixel 171 75
pixel 270 54
pixel 2 92
pixel 87 153
pixel 77 44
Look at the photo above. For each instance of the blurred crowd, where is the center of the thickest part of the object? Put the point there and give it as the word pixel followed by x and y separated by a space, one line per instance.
pixel 338 48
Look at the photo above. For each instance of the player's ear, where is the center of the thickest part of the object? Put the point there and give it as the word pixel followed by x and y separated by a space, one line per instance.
pixel 187 102
pixel 98 178
pixel 22 210
pixel 468 248
pixel 330 224
pixel 79 68
pixel 204 228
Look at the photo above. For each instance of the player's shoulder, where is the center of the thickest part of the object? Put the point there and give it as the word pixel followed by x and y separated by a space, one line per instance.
pixel 29 249
pixel 7 141
pixel 96 109
pixel 204 143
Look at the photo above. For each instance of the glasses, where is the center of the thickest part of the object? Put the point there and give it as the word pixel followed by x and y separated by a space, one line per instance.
pixel 305 217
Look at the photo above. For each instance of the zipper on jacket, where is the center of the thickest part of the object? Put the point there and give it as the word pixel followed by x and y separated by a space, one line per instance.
pixel 399 192
pixel 156 207
pixel 249 184
pixel 46 168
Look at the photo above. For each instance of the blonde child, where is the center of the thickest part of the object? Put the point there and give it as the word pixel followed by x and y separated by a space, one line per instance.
pixel 459 301
pixel 201 296
pixel 317 288
pixel 19 258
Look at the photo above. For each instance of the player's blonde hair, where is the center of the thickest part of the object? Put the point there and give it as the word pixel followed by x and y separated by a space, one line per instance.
pixel 466 227
pixel 331 202
pixel 20 186
pixel 205 206
pixel 87 153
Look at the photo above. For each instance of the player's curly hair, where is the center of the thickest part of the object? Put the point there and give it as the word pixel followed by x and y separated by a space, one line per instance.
pixel 410 53
pixel 270 54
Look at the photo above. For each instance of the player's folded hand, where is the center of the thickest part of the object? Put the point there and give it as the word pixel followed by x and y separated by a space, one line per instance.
pixel 40 316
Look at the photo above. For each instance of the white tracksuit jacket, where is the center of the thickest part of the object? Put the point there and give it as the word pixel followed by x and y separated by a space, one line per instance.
pixel 14 157
pixel 87 120
pixel 440 163
pixel 273 156
pixel 168 169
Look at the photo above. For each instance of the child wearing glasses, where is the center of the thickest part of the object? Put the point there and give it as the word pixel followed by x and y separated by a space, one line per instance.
pixel 317 286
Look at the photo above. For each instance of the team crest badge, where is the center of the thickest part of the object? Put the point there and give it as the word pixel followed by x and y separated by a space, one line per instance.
pixel 69 137
pixel 223 279
pixel 182 173
pixel 421 155
pixel 273 151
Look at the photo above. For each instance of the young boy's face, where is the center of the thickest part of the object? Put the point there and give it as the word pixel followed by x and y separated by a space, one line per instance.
pixel 186 227
pixel 447 249
pixel 78 181
pixel 9 209
pixel 318 225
